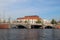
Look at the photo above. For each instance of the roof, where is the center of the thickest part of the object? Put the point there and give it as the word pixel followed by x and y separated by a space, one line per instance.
pixel 30 17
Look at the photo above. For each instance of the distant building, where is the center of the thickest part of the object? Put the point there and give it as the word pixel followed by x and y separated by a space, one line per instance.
pixel 57 26
pixel 47 22
pixel 5 21
pixel 30 19
pixel 58 22
pixel 4 26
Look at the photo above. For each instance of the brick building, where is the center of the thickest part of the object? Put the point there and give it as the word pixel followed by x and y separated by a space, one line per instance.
pixel 4 26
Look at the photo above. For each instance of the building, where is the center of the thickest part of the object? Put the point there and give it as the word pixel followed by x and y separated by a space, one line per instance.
pixel 5 21
pixel 46 22
pixel 4 26
pixel 57 27
pixel 29 19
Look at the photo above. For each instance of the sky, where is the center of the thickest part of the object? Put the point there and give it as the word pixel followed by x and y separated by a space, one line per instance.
pixel 46 9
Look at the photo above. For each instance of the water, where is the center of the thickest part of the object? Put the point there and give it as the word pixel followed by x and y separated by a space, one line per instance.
pixel 29 34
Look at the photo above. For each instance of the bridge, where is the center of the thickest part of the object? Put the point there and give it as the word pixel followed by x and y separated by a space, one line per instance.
pixel 25 25
pixel 29 26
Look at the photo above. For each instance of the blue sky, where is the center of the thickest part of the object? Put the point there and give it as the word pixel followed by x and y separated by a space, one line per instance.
pixel 46 9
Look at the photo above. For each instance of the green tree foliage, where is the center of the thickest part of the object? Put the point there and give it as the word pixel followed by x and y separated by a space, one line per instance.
pixel 17 21
pixel 38 21
pixel 53 21
pixel 26 21
pixel 20 21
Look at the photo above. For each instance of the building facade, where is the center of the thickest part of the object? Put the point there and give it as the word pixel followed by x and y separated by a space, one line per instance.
pixel 29 19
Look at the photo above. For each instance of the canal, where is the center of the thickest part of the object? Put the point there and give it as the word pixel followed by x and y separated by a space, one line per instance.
pixel 29 34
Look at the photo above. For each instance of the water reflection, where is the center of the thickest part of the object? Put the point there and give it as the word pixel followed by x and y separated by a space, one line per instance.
pixel 29 34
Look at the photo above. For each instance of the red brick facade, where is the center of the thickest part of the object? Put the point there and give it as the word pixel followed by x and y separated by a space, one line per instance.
pixel 4 26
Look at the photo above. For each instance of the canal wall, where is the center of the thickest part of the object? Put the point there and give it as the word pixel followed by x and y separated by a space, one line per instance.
pixel 29 34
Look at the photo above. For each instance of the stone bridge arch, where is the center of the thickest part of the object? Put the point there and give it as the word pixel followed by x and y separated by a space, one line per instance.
pixel 36 27
pixel 49 27
pixel 20 26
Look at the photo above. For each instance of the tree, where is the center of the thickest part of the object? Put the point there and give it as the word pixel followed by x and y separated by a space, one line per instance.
pixel 53 21
pixel 20 21
pixel 17 21
pixel 38 21
pixel 26 21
